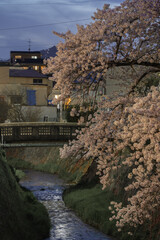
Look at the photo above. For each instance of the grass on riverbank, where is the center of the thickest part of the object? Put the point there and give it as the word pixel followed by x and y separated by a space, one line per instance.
pixel 19 163
pixel 21 215
pixel 88 201
pixel 67 169
pixel 49 167
pixel 91 204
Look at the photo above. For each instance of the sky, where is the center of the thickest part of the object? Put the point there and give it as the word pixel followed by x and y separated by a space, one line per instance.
pixel 31 22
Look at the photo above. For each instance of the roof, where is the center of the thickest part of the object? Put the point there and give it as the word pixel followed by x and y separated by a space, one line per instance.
pixel 26 73
pixel 4 63
pixel 25 52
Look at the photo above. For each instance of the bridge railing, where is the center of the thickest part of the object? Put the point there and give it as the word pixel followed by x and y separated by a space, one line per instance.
pixel 40 131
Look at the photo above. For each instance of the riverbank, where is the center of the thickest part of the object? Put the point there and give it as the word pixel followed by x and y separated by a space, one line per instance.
pixel 86 198
pixel 21 215
pixel 65 225
pixel 47 159
pixel 91 204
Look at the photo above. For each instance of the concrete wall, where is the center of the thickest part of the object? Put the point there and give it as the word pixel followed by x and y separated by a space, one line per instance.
pixel 25 80
pixel 43 112
pixel 4 75
pixel 19 85
pixel 118 80
pixel 41 94
pixel 18 89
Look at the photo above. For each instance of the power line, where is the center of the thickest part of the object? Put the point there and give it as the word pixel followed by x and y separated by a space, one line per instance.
pixel 35 45
pixel 55 3
pixel 42 25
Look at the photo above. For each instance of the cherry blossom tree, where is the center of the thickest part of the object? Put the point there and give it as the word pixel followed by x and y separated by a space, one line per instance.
pixel 125 36
pixel 141 135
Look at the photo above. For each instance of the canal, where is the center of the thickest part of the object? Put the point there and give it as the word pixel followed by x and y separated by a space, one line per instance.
pixel 66 225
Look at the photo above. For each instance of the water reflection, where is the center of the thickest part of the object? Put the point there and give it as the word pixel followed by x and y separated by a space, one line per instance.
pixel 65 225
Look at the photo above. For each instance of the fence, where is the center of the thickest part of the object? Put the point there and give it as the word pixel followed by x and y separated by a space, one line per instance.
pixel 15 132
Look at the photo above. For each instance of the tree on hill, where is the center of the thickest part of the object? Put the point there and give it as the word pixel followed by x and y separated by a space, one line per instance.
pixel 50 52
pixel 123 136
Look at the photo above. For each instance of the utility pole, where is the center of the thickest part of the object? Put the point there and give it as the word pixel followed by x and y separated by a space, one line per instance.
pixel 29 45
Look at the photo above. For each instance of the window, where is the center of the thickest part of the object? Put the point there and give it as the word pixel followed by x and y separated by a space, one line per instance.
pixel 57 96
pixel 42 67
pixel 35 67
pixel 15 99
pixel 18 57
pixel 37 81
pixel 34 57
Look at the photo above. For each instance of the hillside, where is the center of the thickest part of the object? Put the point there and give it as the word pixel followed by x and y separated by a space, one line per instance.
pixel 50 52
pixel 21 215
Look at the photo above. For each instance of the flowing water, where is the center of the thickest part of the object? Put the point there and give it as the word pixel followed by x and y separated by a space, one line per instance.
pixel 66 225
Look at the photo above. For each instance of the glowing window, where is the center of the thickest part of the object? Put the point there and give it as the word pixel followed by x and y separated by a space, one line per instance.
pixel 18 57
pixel 34 57
pixel 57 96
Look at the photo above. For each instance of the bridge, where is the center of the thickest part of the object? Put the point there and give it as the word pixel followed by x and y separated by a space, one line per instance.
pixel 21 134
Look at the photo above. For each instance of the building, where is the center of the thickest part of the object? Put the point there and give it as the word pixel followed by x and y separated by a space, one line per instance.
pixel 27 59
pixel 35 84
pixel 22 82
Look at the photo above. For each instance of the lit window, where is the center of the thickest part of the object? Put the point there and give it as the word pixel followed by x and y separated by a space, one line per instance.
pixel 57 96
pixel 18 57
pixel 36 67
pixel 34 57
pixel 42 67
pixel 67 101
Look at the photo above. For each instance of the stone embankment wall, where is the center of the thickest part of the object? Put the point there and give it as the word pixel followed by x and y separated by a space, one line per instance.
pixel 48 159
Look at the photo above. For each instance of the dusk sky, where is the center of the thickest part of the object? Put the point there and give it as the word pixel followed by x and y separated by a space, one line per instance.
pixel 34 20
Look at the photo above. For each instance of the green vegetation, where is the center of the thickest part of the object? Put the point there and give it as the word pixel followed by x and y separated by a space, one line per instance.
pixel 4 111
pixel 49 161
pixel 19 163
pixel 86 198
pixel 91 204
pixel 22 216
pixel 67 169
